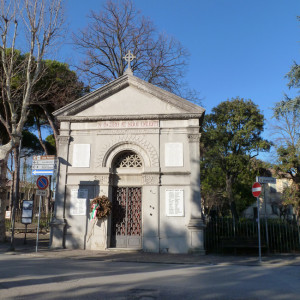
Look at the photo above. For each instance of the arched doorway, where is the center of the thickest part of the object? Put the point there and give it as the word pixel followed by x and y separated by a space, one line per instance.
pixel 126 223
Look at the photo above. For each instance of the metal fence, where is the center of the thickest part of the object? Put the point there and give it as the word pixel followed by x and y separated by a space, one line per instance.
pixel 44 221
pixel 277 236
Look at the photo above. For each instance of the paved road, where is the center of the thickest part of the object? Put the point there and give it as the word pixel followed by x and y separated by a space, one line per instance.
pixel 36 276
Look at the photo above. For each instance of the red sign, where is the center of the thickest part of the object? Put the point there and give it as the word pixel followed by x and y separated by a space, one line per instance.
pixel 256 189
pixel 42 182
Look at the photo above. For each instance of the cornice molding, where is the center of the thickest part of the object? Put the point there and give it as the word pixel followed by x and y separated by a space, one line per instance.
pixel 78 119
pixel 63 140
pixel 194 138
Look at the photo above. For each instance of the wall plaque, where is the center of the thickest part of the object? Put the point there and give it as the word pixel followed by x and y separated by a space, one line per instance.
pixel 174 155
pixel 78 202
pixel 174 203
pixel 81 155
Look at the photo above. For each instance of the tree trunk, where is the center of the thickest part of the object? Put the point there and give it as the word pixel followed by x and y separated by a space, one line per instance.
pixel 38 125
pixel 229 191
pixel 3 198
pixel 15 196
pixel 53 126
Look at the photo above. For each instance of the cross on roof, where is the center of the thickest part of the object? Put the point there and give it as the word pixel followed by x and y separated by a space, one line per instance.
pixel 129 57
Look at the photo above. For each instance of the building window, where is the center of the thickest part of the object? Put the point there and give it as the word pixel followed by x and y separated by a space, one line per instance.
pixel 128 159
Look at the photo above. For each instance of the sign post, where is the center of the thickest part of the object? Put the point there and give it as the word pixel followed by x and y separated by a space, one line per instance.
pixel 266 180
pixel 42 183
pixel 256 190
pixel 27 212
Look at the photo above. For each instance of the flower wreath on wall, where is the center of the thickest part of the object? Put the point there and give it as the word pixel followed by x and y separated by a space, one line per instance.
pixel 100 207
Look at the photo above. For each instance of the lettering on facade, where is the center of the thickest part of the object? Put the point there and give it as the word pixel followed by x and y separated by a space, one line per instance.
pixel 128 124
pixel 174 203
pixel 78 202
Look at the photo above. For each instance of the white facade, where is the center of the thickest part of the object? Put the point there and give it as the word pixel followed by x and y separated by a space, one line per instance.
pixel 160 133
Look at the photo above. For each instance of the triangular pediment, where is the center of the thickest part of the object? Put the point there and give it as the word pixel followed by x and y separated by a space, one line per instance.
pixel 128 96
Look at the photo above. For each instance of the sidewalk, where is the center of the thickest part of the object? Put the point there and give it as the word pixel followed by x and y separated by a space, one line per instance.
pixel 139 256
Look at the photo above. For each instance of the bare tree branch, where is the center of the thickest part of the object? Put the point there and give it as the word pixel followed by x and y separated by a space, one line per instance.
pixel 119 27
pixel 40 21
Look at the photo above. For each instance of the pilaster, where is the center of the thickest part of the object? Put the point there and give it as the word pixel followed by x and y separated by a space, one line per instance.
pixel 58 223
pixel 196 225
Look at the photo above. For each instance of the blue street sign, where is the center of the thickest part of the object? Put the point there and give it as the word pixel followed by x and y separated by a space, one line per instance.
pixel 42 172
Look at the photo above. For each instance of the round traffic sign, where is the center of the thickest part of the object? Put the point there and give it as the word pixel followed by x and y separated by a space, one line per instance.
pixel 256 189
pixel 42 182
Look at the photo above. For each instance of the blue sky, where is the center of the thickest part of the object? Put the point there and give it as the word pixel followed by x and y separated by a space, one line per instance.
pixel 237 47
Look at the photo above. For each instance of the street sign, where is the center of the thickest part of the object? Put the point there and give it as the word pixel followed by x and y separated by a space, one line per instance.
pixel 27 211
pixel 256 189
pixel 42 172
pixel 41 193
pixel 261 179
pixel 43 157
pixel 42 183
pixel 43 164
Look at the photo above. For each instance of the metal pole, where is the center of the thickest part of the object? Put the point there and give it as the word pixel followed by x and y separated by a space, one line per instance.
pixel 25 242
pixel 258 228
pixel 38 228
pixel 266 217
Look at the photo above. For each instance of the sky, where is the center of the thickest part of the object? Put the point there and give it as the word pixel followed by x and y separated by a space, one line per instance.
pixel 237 47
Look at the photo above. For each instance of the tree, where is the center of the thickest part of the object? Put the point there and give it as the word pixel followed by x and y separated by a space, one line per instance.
pixel 119 27
pixel 287 130
pixel 40 22
pixel 57 87
pixel 231 139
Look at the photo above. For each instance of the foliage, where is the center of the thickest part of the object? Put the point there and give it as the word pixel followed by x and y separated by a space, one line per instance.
pixel 294 76
pixel 287 130
pixel 291 197
pixel 51 144
pixel 231 139
pixel 30 144
pixel 119 27
pixel 57 87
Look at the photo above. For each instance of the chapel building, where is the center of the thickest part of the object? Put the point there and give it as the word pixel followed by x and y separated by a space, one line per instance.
pixel 138 145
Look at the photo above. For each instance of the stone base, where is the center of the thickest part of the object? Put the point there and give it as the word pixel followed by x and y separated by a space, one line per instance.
pixel 196 228
pixel 196 223
pixel 57 239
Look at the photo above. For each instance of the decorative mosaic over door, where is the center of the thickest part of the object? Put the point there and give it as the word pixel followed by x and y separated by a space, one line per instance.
pixel 127 217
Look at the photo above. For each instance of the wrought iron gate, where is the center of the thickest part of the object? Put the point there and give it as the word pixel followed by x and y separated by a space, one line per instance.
pixel 126 217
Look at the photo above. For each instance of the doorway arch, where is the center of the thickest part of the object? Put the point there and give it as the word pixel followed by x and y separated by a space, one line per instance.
pixel 126 222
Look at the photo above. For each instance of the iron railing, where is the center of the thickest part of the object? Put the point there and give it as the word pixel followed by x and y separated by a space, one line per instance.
pixel 276 235
pixel 44 221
